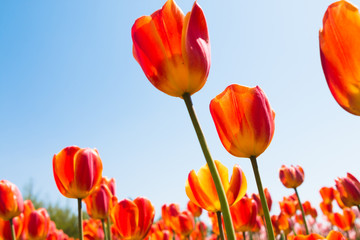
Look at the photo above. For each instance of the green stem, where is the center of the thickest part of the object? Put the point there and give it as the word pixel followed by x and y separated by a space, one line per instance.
pixel 221 232
pixel 108 228
pixel 80 220
pixel 103 226
pixel 250 235
pixel 12 229
pixel 302 212
pixel 269 227
pixel 230 233
pixel 244 235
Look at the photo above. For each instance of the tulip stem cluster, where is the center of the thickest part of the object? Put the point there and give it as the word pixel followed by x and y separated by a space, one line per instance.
pixel 80 220
pixel 12 229
pixel 302 211
pixel 230 233
pixel 269 227
pixel 221 232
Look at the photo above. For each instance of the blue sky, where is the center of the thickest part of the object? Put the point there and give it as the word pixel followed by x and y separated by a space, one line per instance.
pixel 68 77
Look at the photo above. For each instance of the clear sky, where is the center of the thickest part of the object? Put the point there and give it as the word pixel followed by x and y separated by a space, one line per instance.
pixel 68 77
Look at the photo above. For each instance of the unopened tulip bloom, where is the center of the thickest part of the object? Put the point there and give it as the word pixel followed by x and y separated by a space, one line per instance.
pixel 349 190
pixel 244 120
pixel 167 211
pixel 100 202
pixel 291 177
pixel 194 209
pixel 133 219
pixel 77 171
pixel 340 54
pixel 11 201
pixel 244 214
pixel 288 207
pixel 38 224
pixel 182 223
pixel 173 49
pixel 200 187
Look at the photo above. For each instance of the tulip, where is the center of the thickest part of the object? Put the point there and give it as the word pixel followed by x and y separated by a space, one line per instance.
pixel 291 177
pixel 326 208
pixel 11 201
pixel 288 207
pixel 200 187
pixel 77 171
pixel 340 54
pixel 194 209
pixel 244 214
pixel 167 210
pixel 172 49
pixel 349 190
pixel 245 124
pixel 5 228
pixel 133 219
pixel 200 231
pixel 93 230
pixel 346 220
pixel 257 199
pixel 333 235
pixel 327 194
pixel 182 223
pixel 244 120
pixel 38 224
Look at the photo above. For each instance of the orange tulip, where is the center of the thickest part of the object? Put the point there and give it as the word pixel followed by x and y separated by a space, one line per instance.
pixel 340 54
pixel 133 219
pixel 77 171
pixel 284 223
pixel 11 201
pixel 291 177
pixel 194 209
pixel 257 199
pixel 93 230
pixel 326 208
pixel 100 202
pixel 327 194
pixel 244 213
pixel 288 206
pixel 244 120
pixel 349 189
pixel 309 210
pixel 38 224
pixel 200 187
pixel 200 231
pixel 346 220
pixel 5 228
pixel 333 235
pixel 182 223
pixel 167 211
pixel 173 49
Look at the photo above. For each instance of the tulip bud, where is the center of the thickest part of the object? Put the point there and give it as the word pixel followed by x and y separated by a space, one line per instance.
pixel 349 190
pixel 244 120
pixel 291 177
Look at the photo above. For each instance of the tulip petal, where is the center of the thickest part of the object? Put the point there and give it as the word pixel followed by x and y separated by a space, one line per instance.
pixel 340 51
pixel 238 186
pixel 146 215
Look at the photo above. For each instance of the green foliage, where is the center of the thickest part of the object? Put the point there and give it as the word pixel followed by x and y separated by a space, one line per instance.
pixel 63 217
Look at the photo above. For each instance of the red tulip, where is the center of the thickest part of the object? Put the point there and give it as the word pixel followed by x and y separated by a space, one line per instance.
pixel 349 190
pixel 244 120
pixel 38 224
pixel 340 54
pixel 291 177
pixel 327 194
pixel 346 220
pixel 167 211
pixel 333 235
pixel 173 49
pixel 77 171
pixel 133 219
pixel 182 223
pixel 93 230
pixel 244 214
pixel 100 202
pixel 11 201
